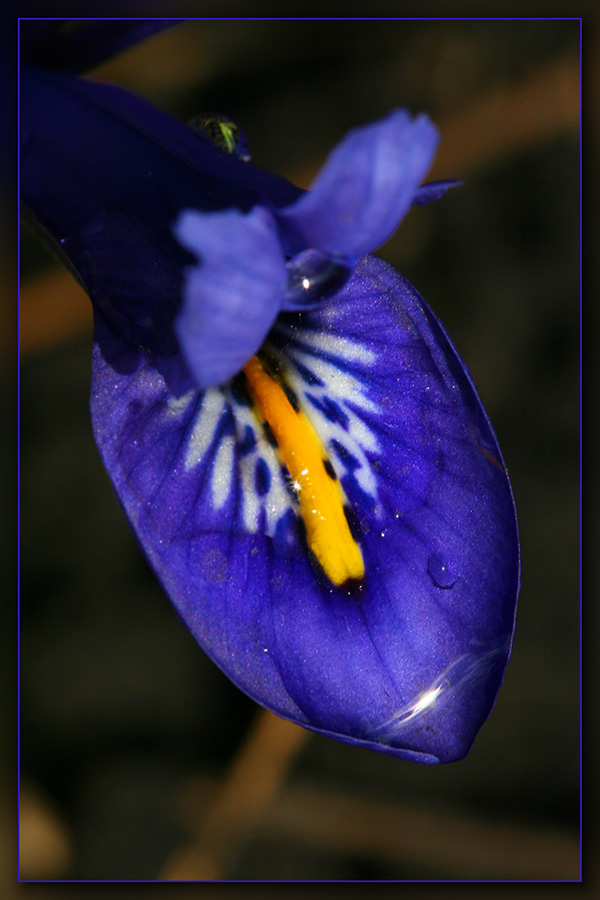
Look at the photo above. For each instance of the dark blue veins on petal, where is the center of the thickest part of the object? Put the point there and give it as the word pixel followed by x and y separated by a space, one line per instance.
pixel 409 661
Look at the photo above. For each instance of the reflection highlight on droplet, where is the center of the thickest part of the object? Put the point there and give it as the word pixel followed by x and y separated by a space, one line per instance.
pixel 441 572
pixel 312 277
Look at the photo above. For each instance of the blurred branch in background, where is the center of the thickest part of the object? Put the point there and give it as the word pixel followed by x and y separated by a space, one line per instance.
pixel 499 124
pixel 510 119
pixel 54 308
pixel 437 839
pixel 46 849
pixel 502 122
pixel 223 824
pixel 253 803
pixel 223 818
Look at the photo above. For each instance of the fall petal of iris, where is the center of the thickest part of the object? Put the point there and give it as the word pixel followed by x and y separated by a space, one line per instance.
pixel 410 661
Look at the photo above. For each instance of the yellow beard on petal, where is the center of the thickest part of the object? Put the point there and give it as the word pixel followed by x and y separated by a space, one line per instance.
pixel 313 478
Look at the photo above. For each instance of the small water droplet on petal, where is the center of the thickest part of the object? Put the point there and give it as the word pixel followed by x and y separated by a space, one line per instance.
pixel 312 277
pixel 441 572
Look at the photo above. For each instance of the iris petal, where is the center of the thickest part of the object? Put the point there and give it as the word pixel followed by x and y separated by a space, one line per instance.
pixel 231 299
pixel 365 187
pixel 410 660
pixel 106 176
pixel 109 185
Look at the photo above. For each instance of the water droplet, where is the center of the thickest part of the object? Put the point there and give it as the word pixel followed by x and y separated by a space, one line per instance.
pixel 93 227
pixel 312 277
pixel 441 572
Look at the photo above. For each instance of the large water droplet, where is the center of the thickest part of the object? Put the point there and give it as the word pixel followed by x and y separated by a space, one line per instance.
pixel 441 572
pixel 312 277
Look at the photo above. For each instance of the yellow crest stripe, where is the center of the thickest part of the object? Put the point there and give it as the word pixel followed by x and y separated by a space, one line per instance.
pixel 319 493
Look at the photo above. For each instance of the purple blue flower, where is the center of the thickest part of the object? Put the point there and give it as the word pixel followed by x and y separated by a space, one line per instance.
pixel 299 448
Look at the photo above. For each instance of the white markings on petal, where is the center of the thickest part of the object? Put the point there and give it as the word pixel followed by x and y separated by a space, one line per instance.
pixel 203 432
pixel 222 474
pixel 306 348
pixel 251 502
pixel 335 399
pixel 177 406
pixel 276 501
pixel 338 384
pixel 331 344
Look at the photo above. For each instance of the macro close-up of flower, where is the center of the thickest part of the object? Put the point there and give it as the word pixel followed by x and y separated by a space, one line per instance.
pixel 297 445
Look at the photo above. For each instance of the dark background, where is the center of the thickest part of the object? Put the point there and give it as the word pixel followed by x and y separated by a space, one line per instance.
pixel 126 726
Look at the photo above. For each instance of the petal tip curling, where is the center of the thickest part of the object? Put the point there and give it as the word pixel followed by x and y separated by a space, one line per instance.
pixel 365 187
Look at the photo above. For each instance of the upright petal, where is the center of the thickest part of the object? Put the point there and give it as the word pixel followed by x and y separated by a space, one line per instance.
pixel 231 298
pixel 409 659
pixel 365 187
pixel 106 175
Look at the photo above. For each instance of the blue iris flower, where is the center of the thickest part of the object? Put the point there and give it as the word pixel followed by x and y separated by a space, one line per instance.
pixel 299 448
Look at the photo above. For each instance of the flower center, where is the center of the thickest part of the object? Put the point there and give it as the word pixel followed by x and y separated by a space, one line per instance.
pixel 313 477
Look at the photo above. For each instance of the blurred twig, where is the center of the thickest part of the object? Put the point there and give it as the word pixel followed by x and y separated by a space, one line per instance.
pixel 510 119
pixel 54 308
pixel 45 847
pixel 501 123
pixel 241 801
pixel 452 842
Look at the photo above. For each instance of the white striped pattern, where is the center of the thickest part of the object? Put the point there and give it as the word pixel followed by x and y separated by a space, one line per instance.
pixel 326 357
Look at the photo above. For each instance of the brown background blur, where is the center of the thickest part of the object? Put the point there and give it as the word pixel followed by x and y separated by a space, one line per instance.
pixel 127 730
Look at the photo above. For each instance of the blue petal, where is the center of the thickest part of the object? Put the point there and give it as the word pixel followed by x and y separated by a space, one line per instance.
pixel 410 661
pixel 231 299
pixel 111 146
pixel 365 188
pixel 107 187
